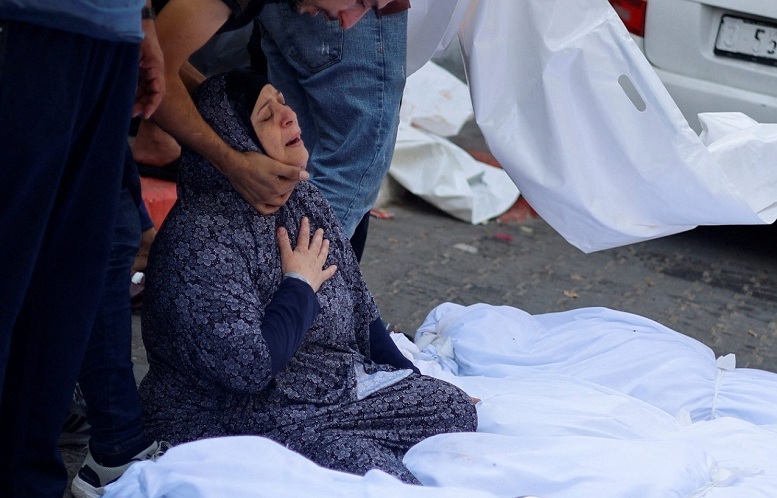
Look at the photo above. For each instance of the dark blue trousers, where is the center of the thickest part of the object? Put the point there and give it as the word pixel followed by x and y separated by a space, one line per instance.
pixel 65 103
pixel 113 406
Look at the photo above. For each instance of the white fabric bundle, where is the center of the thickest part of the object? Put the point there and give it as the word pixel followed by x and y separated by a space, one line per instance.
pixel 594 402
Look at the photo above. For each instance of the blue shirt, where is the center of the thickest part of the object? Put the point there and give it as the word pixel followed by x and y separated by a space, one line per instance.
pixel 111 20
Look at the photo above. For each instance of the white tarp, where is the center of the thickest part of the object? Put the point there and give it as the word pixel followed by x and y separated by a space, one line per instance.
pixel 579 120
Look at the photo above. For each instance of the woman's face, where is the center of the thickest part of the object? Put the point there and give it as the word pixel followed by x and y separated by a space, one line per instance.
pixel 277 128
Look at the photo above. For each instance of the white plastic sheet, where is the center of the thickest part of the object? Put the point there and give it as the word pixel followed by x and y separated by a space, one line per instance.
pixel 436 101
pixel 436 105
pixel 748 152
pixel 577 117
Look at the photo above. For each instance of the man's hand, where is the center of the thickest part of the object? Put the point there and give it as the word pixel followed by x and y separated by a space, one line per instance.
pixel 151 81
pixel 263 182
pixel 308 257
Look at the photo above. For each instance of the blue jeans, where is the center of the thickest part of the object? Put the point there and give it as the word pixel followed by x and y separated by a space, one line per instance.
pixel 346 87
pixel 107 382
pixel 66 102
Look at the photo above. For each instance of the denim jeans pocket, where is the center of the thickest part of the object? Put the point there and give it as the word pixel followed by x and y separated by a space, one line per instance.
pixel 312 42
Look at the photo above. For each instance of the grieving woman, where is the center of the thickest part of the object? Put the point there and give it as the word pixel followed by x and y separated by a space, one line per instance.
pixel 246 334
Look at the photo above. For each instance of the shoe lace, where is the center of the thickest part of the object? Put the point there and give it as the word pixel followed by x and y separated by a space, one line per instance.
pixel 163 447
pixel 160 450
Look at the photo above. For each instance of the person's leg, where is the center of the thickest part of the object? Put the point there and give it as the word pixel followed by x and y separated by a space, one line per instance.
pixel 355 454
pixel 376 431
pixel 66 103
pixel 359 238
pixel 107 382
pixel 346 87
pixel 147 229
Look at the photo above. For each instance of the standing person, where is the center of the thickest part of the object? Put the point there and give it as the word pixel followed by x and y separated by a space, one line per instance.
pixel 348 93
pixel 346 86
pixel 113 408
pixel 69 75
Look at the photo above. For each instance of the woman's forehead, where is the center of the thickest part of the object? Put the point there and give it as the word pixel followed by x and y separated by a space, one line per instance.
pixel 268 89
pixel 267 94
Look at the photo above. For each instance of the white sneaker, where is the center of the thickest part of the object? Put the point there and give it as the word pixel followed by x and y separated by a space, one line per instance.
pixel 91 480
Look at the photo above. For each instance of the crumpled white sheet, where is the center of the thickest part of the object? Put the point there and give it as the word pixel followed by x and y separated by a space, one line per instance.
pixel 744 146
pixel 447 177
pixel 436 101
pixel 628 353
pixel 545 78
pixel 436 105
pixel 251 466
pixel 584 403
pixel 594 402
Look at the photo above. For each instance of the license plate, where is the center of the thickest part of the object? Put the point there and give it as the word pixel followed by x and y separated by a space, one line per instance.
pixel 746 39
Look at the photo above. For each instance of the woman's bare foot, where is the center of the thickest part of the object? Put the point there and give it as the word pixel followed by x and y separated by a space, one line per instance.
pixel 154 147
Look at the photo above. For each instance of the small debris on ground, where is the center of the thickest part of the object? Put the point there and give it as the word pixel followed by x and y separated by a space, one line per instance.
pixel 466 248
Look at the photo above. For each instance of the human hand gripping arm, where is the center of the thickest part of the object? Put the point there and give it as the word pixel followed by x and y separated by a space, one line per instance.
pixel 151 82
pixel 308 257
pixel 183 27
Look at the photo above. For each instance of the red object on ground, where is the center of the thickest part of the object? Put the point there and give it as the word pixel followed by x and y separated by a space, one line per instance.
pixel 381 214
pixel 521 210
pixel 159 197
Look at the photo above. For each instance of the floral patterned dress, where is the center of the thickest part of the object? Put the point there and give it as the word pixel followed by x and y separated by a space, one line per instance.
pixel 214 268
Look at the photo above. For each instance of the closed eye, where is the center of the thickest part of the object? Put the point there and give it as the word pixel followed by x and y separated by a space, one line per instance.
pixel 264 114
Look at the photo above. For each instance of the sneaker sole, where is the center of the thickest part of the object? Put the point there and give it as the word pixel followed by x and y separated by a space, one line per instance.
pixel 82 489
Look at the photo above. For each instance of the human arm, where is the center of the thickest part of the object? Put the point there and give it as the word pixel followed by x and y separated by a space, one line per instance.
pixel 234 321
pixel 294 305
pixel 288 316
pixel 384 351
pixel 183 27
pixel 151 83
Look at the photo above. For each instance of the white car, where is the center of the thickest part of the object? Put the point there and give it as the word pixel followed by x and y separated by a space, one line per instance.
pixel 712 55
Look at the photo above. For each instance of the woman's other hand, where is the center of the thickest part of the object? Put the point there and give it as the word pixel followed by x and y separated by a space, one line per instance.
pixel 308 257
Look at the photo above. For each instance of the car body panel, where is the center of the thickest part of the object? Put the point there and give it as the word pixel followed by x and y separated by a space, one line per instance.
pixel 679 42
